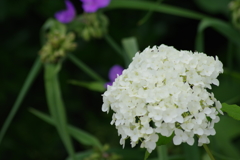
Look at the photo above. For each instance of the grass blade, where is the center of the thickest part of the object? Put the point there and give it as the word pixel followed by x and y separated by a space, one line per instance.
pixel 81 136
pixel 220 26
pixel 191 152
pixel 146 5
pixel 118 49
pixel 94 86
pixel 146 155
pixel 56 104
pixel 85 68
pixel 130 45
pixel 27 84
pixel 162 152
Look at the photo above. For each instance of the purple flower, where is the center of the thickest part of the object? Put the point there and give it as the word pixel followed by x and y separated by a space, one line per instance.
pixel 113 72
pixel 93 5
pixel 67 15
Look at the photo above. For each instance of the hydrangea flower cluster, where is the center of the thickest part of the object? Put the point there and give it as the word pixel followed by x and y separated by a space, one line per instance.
pixel 164 91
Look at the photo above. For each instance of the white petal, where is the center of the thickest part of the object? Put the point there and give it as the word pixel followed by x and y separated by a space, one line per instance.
pixel 177 140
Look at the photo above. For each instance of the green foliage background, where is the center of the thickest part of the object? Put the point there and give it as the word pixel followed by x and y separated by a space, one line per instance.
pixel 30 138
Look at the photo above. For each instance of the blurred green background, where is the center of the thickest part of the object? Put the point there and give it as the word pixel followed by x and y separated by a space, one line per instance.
pixel 20 21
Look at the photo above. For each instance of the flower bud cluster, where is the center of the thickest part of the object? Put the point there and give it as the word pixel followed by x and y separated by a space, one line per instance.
pixel 234 7
pixel 164 91
pixel 91 25
pixel 56 46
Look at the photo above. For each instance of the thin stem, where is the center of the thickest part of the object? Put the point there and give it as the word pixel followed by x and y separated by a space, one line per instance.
pixel 113 44
pixel 56 105
pixel 208 152
pixel 163 8
pixel 85 68
pixel 162 152
pixel 118 49
pixel 28 82
pixel 148 15
pixel 230 55
pixel 80 135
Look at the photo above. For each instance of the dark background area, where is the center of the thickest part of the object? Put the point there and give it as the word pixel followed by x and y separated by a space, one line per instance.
pixel 20 21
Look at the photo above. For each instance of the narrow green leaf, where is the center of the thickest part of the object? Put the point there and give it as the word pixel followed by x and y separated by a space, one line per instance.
pixel 148 15
pixel 220 26
pixel 81 136
pixel 164 140
pixel 163 8
pixel 191 152
pixel 27 84
pixel 146 155
pixel 232 110
pixel 233 74
pixel 227 130
pixel 94 86
pixel 82 155
pixel 162 152
pixel 130 45
pixel 213 6
pixel 118 49
pixel 85 68
pixel 56 106
pixel 84 137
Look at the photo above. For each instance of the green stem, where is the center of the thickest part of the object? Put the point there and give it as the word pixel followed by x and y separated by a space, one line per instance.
pixel 85 68
pixel 230 55
pixel 27 84
pixel 163 8
pixel 56 105
pixel 148 15
pixel 118 49
pixel 162 152
pixel 208 152
pixel 233 100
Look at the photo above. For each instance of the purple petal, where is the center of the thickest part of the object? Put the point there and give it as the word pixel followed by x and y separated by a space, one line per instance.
pixel 116 69
pixel 90 6
pixel 108 84
pixel 67 15
pixel 103 3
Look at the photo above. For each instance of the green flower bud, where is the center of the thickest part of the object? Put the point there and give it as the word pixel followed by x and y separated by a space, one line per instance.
pixel 57 44
pixel 234 6
pixel 90 25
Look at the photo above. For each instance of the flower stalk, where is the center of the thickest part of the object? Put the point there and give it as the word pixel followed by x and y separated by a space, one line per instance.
pixel 208 151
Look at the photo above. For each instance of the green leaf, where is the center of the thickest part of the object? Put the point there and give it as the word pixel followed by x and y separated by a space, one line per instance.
pixel 153 6
pixel 94 86
pixel 85 68
pixel 81 155
pixel 232 110
pixel 214 6
pixel 220 26
pixel 227 130
pixel 27 84
pixel 130 45
pixel 56 105
pixel 164 140
pixel 84 137
pixel 191 152
pixel 162 152
pixel 118 49
pixel 81 136
pixel 146 155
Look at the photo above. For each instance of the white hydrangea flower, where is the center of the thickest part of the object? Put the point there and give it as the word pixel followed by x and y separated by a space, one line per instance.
pixel 164 91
